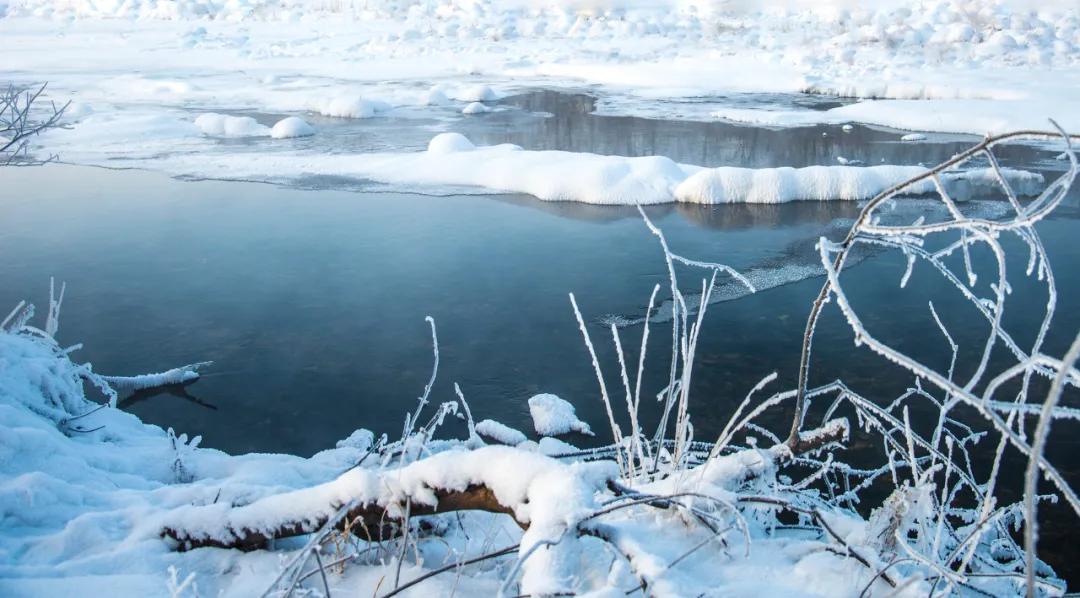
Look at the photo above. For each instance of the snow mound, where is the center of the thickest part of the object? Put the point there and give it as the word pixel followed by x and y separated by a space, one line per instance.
pixel 351 107
pixel 448 143
pixel 290 127
pixel 223 125
pixel 913 137
pixel 553 416
pixel 475 108
pixel 500 432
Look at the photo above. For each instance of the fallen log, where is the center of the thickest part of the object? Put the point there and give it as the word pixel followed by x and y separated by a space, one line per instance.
pixel 494 479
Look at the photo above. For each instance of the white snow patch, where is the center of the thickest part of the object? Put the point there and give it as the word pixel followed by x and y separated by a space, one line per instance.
pixel 913 137
pixel 553 416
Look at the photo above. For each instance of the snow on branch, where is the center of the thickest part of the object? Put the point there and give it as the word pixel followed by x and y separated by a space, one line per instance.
pixel 178 375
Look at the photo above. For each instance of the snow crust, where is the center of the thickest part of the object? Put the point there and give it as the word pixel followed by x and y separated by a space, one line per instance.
pixel 452 160
pixel 553 416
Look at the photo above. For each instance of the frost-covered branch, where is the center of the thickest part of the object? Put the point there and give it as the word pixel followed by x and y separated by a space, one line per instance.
pixel 20 121
pixel 941 457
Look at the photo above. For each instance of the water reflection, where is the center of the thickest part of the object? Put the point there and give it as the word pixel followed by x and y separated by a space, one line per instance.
pixel 736 216
pixel 550 120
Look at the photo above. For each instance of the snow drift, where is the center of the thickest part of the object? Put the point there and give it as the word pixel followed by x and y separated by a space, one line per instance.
pixel 452 159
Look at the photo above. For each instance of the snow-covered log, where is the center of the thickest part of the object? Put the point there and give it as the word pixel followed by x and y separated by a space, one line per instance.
pixel 178 375
pixel 494 479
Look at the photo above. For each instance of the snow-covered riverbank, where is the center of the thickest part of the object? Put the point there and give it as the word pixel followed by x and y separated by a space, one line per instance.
pixel 972 67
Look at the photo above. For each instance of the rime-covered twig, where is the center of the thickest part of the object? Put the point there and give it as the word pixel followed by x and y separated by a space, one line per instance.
pixel 863 222
pixel 18 124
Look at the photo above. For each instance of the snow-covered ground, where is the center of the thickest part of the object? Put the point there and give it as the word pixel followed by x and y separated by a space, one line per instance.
pixel 140 73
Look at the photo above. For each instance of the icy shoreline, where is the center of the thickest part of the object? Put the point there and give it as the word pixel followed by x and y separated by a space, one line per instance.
pixel 453 162
pixel 944 66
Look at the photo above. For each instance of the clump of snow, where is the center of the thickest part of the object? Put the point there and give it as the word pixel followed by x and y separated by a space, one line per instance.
pixel 553 416
pixel 500 432
pixel 223 125
pixel 913 137
pixel 475 108
pixel 351 107
pixel 448 143
pixel 292 126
